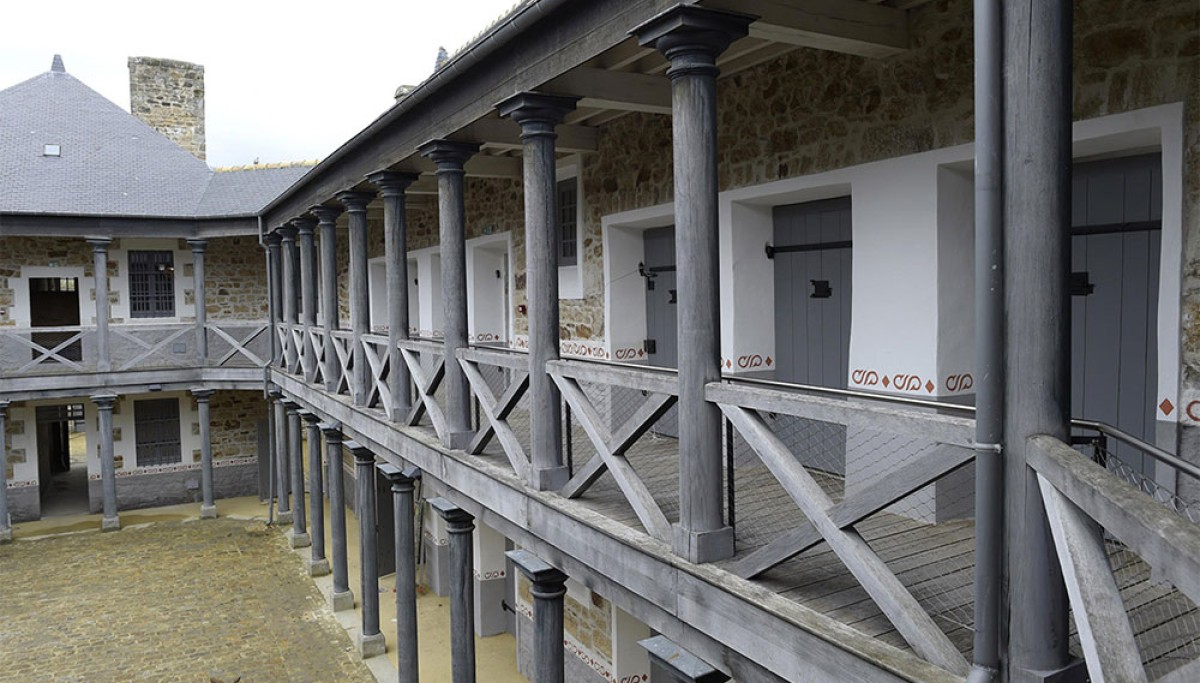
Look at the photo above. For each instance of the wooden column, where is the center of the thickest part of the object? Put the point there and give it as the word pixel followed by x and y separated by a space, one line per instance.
pixel 305 226
pixel 275 293
pixel 537 115
pixel 299 537
pixel 692 38
pixel 100 278
pixel 403 484
pixel 291 354
pixel 450 157
pixel 282 469
pixel 327 226
pixel 6 535
pixel 108 469
pixel 360 296
pixel 549 587
pixel 341 598
pixel 200 299
pixel 460 524
pixel 317 564
pixel 370 639
pixel 208 507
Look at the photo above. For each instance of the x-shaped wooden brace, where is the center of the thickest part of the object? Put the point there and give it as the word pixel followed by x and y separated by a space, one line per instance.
pixel 497 412
pixel 51 353
pixel 151 349
pixel 379 389
pixel 317 339
pixel 426 386
pixel 341 347
pixel 239 346
pixel 894 600
pixel 610 453
pixel 298 342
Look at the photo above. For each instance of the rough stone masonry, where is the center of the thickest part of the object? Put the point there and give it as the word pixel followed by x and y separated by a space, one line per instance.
pixel 168 95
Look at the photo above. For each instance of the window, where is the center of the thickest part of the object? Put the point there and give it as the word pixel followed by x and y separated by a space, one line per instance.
pixel 568 222
pixel 156 424
pixel 151 284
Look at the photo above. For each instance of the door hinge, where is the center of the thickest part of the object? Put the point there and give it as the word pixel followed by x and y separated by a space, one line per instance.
pixel 821 289
pixel 1081 284
pixel 650 345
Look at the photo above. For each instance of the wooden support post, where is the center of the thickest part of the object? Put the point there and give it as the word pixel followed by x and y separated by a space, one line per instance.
pixel 100 277
pixel 305 226
pixel 460 524
pixel 284 507
pixel 403 484
pixel 6 535
pixel 200 300
pixel 549 587
pixel 108 469
pixel 326 224
pixel 341 598
pixel 317 564
pixel 299 537
pixel 275 293
pixel 370 639
pixel 360 296
pixel 395 245
pixel 208 507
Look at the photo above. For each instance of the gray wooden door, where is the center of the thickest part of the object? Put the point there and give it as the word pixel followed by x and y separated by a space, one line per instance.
pixel 812 258
pixel 1116 227
pixel 662 323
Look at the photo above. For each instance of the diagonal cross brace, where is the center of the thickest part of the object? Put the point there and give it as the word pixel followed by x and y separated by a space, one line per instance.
pixel 240 346
pixel 425 389
pixel 496 414
pixel 626 435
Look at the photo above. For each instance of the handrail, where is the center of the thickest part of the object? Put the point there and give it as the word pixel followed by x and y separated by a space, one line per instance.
pixel 1131 440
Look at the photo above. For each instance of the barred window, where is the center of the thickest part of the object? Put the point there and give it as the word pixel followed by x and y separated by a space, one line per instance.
pixel 156 424
pixel 568 222
pixel 151 284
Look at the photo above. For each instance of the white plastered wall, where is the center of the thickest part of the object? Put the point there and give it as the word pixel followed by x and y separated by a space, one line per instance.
pixel 624 286
pixel 24 473
pixel 489 301
pixel 427 290
pixel 126 446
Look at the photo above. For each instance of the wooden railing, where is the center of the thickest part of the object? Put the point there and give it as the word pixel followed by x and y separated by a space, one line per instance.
pixel 498 409
pixel 426 382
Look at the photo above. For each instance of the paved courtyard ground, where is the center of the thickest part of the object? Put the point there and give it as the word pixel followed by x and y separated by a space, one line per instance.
pixel 169 602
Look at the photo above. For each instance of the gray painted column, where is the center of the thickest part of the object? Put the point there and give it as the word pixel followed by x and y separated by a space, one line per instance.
pixel 290 315
pixel 1037 213
pixel 200 300
pixel 370 640
pixel 308 291
pixel 284 514
pixel 538 115
pixel 341 598
pixel 403 483
pixel 549 587
pixel 395 240
pixel 6 534
pixel 360 294
pixel 275 293
pixel 317 564
pixel 108 469
pixel 298 538
pixel 208 508
pixel 459 525
pixel 450 157
pixel 327 225
pixel 100 278
pixel 691 38
pixel 678 664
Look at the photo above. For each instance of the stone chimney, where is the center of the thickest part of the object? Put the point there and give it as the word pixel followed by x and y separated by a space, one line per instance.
pixel 168 95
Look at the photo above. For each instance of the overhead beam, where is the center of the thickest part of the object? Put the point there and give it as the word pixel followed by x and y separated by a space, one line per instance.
pixel 505 134
pixel 856 28
pixel 619 90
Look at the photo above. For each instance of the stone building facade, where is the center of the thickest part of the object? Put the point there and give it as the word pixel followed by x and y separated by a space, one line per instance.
pixel 169 96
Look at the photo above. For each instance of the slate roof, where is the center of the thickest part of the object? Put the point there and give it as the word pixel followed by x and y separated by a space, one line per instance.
pixel 111 163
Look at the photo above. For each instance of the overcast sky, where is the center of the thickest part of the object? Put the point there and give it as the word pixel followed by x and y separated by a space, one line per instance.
pixel 284 81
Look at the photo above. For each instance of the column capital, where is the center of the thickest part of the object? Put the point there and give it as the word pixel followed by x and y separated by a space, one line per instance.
pixel 326 215
pixel 99 244
pixel 332 431
pixel 272 240
pixel 198 245
pixel 449 155
pixel 392 183
pixel 104 401
pixel 4 406
pixel 304 225
pixel 402 478
pixel 459 519
pixel 362 454
pixel 292 406
pixel 692 37
pixel 681 665
pixel 537 113
pixel 355 202
pixel 275 394
pixel 311 418
pixel 202 395
pixel 286 233
pixel 548 577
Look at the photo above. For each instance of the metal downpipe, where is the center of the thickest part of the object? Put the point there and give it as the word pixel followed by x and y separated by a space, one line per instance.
pixel 989 338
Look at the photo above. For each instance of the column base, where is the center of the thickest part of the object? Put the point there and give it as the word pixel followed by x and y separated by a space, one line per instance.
pixel 208 512
pixel 371 646
pixel 296 540
pixel 284 517
pixel 6 535
pixel 341 601
pixel 699 547
pixel 1075 672
pixel 110 524
pixel 318 567
pixel 549 478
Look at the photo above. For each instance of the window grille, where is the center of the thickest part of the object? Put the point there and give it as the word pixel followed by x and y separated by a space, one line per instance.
pixel 151 284
pixel 156 424
pixel 568 222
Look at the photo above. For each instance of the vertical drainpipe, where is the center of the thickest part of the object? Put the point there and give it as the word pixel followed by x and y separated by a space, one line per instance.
pixel 989 337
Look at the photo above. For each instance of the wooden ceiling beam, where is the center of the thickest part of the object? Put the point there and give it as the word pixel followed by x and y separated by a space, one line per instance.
pixel 848 26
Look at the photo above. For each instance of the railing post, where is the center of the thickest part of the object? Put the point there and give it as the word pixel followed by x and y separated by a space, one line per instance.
pixel 403 484
pixel 450 157
pixel 692 38
pixel 370 639
pixel 395 244
pixel 308 292
pixel 290 316
pixel 360 296
pixel 327 225
pixel 108 469
pixel 200 300
pixel 6 535
pixel 538 115
pixel 1037 210
pixel 208 508
pixel 275 294
pixel 100 271
pixel 341 598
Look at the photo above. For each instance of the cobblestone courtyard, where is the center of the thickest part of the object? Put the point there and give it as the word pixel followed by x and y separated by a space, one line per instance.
pixel 172 602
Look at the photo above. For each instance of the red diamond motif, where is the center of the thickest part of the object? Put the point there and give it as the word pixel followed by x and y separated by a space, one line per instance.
pixel 886 381
pixel 728 363
pixel 769 361
pixel 929 386
pixel 1166 406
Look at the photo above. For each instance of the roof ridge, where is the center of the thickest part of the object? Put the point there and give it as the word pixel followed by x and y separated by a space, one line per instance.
pixel 275 164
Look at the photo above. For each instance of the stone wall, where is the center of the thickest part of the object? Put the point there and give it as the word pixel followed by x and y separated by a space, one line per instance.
pixel 168 95
pixel 16 252
pixel 235 417
pixel 235 279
